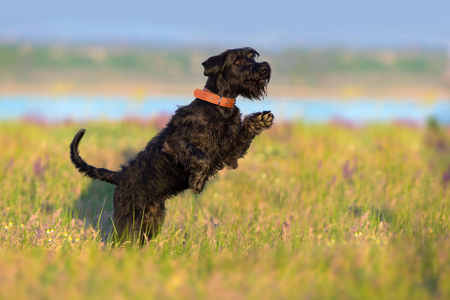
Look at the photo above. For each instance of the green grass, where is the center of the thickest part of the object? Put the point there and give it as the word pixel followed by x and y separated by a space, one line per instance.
pixel 313 211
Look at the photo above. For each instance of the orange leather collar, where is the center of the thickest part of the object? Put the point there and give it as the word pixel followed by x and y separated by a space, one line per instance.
pixel 209 96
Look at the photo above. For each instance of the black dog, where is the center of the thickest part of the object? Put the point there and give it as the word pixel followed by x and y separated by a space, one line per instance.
pixel 199 140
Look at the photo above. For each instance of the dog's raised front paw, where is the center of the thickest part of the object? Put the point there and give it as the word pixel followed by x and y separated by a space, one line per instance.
pixel 260 121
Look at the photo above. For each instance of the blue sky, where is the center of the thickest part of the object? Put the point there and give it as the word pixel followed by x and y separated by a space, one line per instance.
pixel 268 24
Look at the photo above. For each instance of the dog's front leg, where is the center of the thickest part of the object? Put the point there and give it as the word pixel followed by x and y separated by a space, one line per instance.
pixel 194 160
pixel 252 125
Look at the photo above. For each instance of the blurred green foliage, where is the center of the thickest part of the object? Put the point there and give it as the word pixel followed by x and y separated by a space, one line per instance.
pixel 310 65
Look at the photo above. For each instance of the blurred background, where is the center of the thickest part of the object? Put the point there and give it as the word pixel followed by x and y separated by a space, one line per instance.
pixel 346 61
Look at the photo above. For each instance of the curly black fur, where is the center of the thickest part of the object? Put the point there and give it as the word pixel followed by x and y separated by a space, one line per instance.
pixel 199 140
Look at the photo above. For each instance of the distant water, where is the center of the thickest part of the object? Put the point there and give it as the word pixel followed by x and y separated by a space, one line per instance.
pixel 360 111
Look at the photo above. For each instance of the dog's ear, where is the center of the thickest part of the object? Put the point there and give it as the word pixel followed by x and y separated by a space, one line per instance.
pixel 213 64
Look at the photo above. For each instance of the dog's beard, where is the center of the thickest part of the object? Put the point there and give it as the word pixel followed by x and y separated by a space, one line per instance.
pixel 255 89
pixel 250 83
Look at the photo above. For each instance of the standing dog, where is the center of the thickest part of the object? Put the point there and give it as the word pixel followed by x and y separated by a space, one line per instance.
pixel 199 140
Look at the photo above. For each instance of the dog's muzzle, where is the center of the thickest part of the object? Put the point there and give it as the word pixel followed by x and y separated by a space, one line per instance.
pixel 262 71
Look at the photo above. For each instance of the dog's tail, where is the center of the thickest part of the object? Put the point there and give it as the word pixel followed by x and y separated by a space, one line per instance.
pixel 84 168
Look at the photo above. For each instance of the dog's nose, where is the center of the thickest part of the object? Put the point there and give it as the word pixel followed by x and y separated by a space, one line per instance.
pixel 264 69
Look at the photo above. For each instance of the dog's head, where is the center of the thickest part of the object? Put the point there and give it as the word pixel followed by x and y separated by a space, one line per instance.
pixel 235 72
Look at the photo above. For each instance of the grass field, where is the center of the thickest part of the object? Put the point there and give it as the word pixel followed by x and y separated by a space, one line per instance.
pixel 312 212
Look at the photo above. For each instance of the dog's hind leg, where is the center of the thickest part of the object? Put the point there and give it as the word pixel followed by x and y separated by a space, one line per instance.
pixel 141 223
pixel 152 221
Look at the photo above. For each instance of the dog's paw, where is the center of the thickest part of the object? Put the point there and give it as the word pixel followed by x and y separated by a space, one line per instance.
pixel 196 184
pixel 265 119
pixel 197 181
pixel 260 121
pixel 233 165
pixel 230 162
